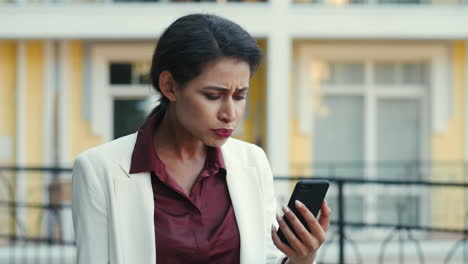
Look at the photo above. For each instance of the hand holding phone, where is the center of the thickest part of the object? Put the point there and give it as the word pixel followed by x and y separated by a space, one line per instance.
pixel 311 193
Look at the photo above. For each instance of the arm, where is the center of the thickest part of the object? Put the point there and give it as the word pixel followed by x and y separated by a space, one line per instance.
pixel 273 255
pixel 306 254
pixel 89 214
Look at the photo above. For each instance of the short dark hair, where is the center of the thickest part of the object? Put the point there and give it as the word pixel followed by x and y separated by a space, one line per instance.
pixel 193 41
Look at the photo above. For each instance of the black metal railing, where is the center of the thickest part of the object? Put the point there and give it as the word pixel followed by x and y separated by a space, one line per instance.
pixel 398 228
pixel 424 223
pixel 381 2
pixel 35 216
pixel 130 1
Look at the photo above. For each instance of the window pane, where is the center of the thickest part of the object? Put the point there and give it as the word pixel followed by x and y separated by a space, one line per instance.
pixel 129 115
pixel 414 73
pixel 345 73
pixel 331 2
pixel 398 136
pixel 393 73
pixel 120 73
pixel 385 73
pixel 130 72
pixel 392 207
pixel 338 137
pixel 401 1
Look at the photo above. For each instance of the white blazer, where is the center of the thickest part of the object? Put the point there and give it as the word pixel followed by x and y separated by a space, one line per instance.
pixel 113 210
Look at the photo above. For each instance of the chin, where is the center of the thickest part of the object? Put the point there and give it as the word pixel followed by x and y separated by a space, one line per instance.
pixel 216 143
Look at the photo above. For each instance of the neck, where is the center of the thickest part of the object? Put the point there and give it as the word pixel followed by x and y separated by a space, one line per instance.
pixel 173 141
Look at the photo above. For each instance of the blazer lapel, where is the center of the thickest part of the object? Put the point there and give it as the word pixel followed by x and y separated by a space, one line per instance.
pixel 134 209
pixel 247 202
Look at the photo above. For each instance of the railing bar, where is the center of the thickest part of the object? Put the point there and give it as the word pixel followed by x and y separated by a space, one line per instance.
pixel 38 239
pixel 368 181
pixel 35 205
pixel 413 227
pixel 43 169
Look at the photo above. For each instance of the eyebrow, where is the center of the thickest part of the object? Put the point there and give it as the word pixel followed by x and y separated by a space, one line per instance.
pixel 223 89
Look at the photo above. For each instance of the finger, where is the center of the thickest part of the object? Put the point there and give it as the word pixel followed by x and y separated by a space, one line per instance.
pixel 315 228
pixel 288 251
pixel 300 229
pixel 290 236
pixel 325 214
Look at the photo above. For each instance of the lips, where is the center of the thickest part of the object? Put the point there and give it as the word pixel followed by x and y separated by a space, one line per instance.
pixel 223 133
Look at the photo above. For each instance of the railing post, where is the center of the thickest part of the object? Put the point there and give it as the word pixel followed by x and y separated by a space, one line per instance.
pixel 341 221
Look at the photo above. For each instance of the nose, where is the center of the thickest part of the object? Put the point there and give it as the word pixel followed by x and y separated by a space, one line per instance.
pixel 227 112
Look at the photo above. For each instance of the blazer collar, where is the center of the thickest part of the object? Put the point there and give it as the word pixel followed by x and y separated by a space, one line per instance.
pixel 125 159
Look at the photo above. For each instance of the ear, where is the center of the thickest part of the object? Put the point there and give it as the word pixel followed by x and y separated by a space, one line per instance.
pixel 168 85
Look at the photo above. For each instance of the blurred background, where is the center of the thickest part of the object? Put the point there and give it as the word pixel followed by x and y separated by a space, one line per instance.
pixel 370 94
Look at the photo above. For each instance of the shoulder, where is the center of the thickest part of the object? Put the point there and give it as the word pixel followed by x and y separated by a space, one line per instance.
pixel 114 150
pixel 244 151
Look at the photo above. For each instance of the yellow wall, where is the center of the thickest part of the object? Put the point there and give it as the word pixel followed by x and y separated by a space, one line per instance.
pixel 449 146
pixel 254 124
pixel 8 118
pixel 81 137
pixel 8 95
pixel 34 95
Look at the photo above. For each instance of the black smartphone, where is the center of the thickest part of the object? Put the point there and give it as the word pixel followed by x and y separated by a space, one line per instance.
pixel 311 193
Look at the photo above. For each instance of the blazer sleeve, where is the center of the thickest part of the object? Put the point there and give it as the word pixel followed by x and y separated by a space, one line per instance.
pixel 89 214
pixel 273 254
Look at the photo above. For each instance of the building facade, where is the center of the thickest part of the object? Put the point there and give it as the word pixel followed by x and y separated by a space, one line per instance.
pixel 348 88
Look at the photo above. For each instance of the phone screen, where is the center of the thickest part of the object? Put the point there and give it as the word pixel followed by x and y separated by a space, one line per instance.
pixel 311 193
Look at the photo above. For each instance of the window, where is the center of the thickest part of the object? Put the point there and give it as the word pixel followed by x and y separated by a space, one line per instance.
pixel 370 119
pixel 129 87
pixel 339 134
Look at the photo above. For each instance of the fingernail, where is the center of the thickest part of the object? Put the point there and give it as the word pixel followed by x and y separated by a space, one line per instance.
pixel 299 204
pixel 285 209
pixel 278 217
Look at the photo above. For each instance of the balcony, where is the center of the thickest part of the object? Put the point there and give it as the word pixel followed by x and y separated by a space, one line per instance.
pixel 127 1
pixel 398 220
pixel 303 19
pixel 313 2
pixel 382 2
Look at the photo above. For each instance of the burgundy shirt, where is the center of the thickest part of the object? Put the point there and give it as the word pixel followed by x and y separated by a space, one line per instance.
pixel 197 228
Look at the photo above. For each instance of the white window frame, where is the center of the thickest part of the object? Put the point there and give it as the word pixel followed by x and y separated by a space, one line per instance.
pixel 436 97
pixel 103 93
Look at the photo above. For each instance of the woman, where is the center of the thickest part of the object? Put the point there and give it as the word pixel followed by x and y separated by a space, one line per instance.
pixel 180 190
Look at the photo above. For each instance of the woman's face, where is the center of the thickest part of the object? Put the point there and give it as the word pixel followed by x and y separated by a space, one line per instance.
pixel 210 106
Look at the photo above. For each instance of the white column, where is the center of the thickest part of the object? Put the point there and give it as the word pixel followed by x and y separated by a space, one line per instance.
pixel 48 103
pixel 278 82
pixel 48 127
pixel 64 139
pixel 278 74
pixel 21 133
pixel 278 68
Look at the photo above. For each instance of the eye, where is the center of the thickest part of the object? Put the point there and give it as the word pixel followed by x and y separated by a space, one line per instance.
pixel 212 96
pixel 240 96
